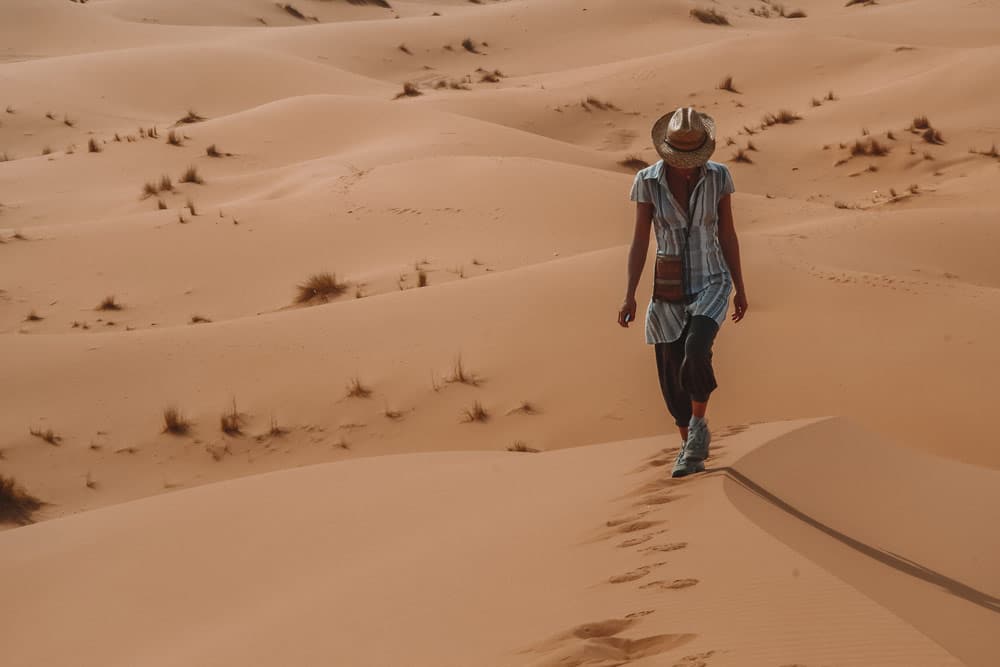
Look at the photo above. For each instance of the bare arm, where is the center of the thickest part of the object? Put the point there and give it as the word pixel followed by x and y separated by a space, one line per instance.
pixel 731 251
pixel 636 259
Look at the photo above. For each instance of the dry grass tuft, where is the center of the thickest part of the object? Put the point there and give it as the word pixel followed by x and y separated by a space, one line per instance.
pixel 213 151
pixel 815 102
pixel 477 413
pixel 409 90
pixel 783 117
pixel 231 421
pixel 525 408
pixel 175 139
pixel 166 185
pixel 741 156
pixel 794 14
pixel 932 136
pixel 469 45
pixel 149 189
pixel 920 123
pixel 276 431
pixel 93 146
pixel 711 16
pixel 33 317
pixel 293 11
pixel 392 413
pixel 161 205
pixel 191 175
pixel 521 446
pixel 109 303
pixel 16 504
pixel 491 77
pixel 830 97
pixel 421 278
pixel 69 122
pixel 752 147
pixel 727 84
pixel 190 206
pixel 633 162
pixel 47 150
pixel 460 375
pixel 356 389
pixel 191 117
pixel 198 319
pixel 320 287
pixel 870 147
pixel 50 115
pixel 405 49
pixel 48 435
pixel 174 422
pixel 861 2
pixel 592 101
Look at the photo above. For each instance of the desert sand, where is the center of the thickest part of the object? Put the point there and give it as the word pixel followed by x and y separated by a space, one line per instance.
pixel 459 458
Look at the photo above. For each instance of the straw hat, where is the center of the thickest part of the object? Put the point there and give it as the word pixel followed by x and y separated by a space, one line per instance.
pixel 684 138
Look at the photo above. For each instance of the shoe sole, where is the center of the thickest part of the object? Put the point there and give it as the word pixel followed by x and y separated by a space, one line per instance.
pixel 694 467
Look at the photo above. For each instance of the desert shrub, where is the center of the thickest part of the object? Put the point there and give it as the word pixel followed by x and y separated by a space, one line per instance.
pixel 175 139
pixel 320 287
pixel 521 446
pixel 109 303
pixel 741 156
pixel 357 389
pixel 459 374
pixel 191 117
pixel 16 505
pixel 476 413
pixel 48 435
pixel 409 90
pixel 174 422
pixel 191 175
pixel 93 146
pixel 231 421
pixel 727 84
pixel 633 162
pixel 711 16
pixel 469 45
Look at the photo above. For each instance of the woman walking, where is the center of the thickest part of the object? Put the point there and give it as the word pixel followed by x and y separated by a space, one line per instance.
pixel 685 198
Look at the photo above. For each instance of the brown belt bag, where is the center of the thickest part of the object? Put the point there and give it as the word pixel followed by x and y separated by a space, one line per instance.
pixel 668 279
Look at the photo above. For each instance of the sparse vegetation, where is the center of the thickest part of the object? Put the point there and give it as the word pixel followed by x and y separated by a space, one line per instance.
pixel 391 413
pixel 149 189
pixel 191 117
pixel 920 123
pixel 91 482
pixel 421 278
pixel 161 205
pixel 174 422
pixel 93 146
pixel 861 2
pixel 174 138
pixel 109 303
pixel 521 446
pixel 460 375
pixel 633 162
pixel 50 115
pixel 592 101
pixel 491 77
pixel 476 413
pixel 727 84
pixel 48 435
pixel 166 185
pixel 405 49
pixel 231 421
pixel 198 319
pixel 871 147
pixel 320 287
pixel 741 156
pixel 213 151
pixel 469 45
pixel 815 102
pixel 68 122
pixel 276 431
pixel 830 97
pixel 932 136
pixel 16 504
pixel 191 175
pixel 783 117
pixel 33 317
pixel 711 16
pixel 291 10
pixel 190 206
pixel 409 90
pixel 525 408
pixel 357 389
pixel 47 150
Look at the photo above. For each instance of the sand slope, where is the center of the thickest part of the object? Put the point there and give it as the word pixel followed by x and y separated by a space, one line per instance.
pixel 465 558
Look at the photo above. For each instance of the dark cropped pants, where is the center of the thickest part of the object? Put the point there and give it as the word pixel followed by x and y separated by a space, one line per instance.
pixel 685 367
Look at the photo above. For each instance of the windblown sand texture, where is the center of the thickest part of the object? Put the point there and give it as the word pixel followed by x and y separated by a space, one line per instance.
pixel 292 295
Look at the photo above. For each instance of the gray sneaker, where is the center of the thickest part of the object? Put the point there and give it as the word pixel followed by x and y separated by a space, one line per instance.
pixel 691 458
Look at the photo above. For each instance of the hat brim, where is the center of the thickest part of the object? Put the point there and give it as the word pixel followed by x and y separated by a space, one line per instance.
pixel 684 159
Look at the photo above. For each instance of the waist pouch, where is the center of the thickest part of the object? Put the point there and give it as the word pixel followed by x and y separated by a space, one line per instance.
pixel 668 279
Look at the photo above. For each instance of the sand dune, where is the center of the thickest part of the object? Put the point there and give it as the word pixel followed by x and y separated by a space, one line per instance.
pixel 447 550
pixel 484 217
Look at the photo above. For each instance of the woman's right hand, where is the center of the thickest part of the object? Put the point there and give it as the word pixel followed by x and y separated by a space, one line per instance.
pixel 628 308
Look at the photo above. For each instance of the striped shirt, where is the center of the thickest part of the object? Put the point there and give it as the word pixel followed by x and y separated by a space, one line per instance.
pixel 709 283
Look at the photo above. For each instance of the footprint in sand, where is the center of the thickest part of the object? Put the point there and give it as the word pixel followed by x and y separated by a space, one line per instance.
pixel 674 585
pixel 673 546
pixel 695 660
pixel 638 573
pixel 636 526
pixel 617 522
pixel 635 541
pixel 597 643
pixel 630 576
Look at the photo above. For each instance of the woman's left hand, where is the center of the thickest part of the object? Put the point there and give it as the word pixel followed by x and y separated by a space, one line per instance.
pixel 739 306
